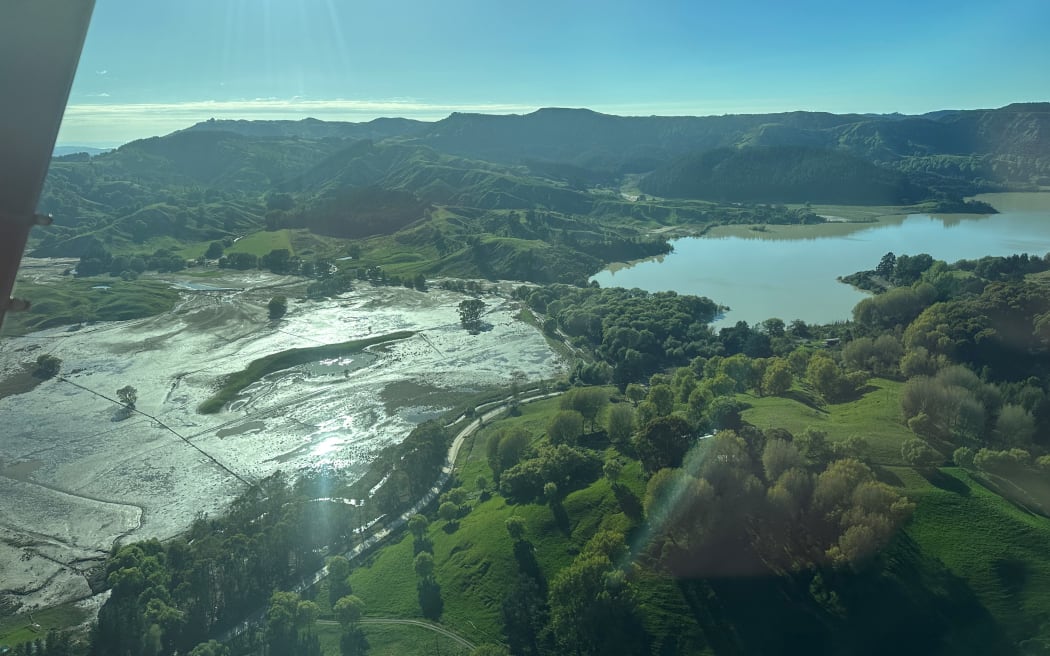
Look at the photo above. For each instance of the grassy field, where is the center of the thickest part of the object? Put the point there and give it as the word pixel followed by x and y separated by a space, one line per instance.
pixel 984 546
pixel 73 300
pixel 969 574
pixel 875 416
pixel 237 381
pixel 387 583
pixel 998 549
pixel 474 559
pixel 15 629
pixel 262 242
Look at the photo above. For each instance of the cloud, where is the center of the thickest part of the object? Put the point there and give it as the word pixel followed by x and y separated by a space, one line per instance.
pixel 102 72
pixel 101 94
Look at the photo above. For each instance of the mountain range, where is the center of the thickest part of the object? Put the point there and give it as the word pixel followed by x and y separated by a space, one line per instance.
pixel 217 178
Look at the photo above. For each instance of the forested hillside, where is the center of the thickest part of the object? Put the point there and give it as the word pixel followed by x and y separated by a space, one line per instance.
pixel 782 174
pixel 217 179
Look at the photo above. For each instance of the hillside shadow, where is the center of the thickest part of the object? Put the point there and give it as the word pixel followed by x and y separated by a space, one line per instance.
pixel 906 603
pixel 939 479
pixel 805 400
pixel 864 391
pixel 884 475
pixel 628 500
pixel 561 519
pixel 1013 574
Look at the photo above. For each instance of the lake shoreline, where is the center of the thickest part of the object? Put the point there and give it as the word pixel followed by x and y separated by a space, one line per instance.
pixel 793 271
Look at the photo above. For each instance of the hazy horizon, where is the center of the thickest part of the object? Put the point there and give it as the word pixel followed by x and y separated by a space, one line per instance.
pixel 266 110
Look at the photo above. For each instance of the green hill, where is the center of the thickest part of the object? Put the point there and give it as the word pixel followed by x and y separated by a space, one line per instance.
pixel 788 174
pixel 966 576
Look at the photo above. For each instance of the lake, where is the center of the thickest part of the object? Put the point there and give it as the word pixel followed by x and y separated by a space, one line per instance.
pixel 767 275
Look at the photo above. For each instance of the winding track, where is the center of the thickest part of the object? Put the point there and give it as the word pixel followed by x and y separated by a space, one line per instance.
pixel 436 628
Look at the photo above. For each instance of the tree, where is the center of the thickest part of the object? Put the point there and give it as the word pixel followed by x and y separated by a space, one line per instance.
pixel 515 527
pixel 917 454
pixel 282 621
pixel 448 511
pixel 470 312
pixel 512 445
pixel 456 495
pixel 780 456
pixel 724 412
pixel 277 307
pixel 47 366
pixel 214 251
pixel 662 397
pixel 774 327
pixel 588 401
pixel 424 565
pixel 829 381
pixel 634 393
pixel 210 648
pixel 1014 426
pixel 917 361
pixel 740 369
pixel 593 609
pixel 565 427
pixel 879 356
pixel 277 260
pixel 612 469
pixel 886 266
pixel 417 525
pixel 338 577
pixel 963 457
pixel 778 377
pixel 664 442
pixel 128 395
pixel 619 423
pixel 349 610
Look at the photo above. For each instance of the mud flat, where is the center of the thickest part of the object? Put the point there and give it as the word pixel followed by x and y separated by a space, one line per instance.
pixel 77 474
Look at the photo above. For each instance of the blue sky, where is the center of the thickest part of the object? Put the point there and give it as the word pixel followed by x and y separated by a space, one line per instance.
pixel 152 67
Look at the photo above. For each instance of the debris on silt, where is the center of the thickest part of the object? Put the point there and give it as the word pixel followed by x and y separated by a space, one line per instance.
pixel 153 481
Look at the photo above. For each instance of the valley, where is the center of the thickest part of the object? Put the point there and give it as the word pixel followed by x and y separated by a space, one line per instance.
pixel 270 335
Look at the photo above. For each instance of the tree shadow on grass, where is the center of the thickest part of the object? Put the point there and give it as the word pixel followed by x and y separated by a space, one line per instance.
pixel 884 475
pixel 1013 574
pixel 430 601
pixel 524 553
pixel 939 479
pixel 561 518
pixel 629 502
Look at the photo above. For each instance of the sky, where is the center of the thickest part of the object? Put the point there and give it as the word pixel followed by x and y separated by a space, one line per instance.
pixel 151 67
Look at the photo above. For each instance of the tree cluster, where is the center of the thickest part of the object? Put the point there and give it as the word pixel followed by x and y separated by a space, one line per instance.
pixel 167 598
pixel 754 502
